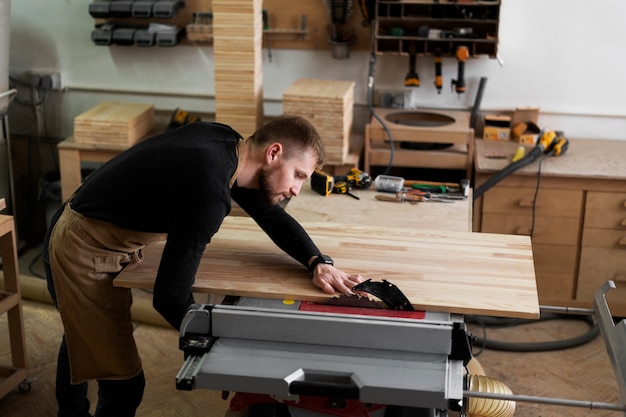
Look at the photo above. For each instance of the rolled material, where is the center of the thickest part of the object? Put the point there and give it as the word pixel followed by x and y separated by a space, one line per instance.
pixel 486 407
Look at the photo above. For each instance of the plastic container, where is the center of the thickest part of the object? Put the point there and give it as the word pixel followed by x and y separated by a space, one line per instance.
pixel 389 184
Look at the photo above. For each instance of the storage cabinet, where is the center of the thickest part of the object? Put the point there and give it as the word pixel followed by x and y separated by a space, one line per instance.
pixel 603 251
pixel 555 231
pixel 425 26
pixel 579 233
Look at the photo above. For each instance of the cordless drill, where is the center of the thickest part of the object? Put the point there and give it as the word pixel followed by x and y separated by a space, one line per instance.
pixel 355 178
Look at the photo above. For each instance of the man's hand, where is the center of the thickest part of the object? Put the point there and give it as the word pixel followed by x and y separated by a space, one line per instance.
pixel 331 279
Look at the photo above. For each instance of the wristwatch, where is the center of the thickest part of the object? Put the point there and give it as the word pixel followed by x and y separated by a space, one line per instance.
pixel 320 259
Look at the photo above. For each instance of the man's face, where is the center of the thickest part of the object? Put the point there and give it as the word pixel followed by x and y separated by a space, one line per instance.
pixel 283 178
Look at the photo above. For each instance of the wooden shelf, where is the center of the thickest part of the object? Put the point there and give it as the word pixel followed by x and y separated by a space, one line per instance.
pixel 443 147
pixel 427 26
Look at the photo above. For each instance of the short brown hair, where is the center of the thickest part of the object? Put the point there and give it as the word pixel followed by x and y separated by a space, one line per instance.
pixel 295 133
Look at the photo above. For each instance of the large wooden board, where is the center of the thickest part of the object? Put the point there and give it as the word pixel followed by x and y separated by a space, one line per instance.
pixel 458 272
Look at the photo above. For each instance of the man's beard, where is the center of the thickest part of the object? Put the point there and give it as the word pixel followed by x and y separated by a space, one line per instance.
pixel 267 190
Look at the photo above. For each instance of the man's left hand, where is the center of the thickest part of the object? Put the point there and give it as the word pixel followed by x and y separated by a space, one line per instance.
pixel 330 279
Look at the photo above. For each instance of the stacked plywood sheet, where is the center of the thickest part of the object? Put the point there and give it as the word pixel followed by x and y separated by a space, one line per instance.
pixel 114 123
pixel 237 49
pixel 328 104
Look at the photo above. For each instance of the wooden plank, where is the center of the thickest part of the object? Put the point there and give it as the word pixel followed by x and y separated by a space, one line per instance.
pixel 113 122
pixel 458 272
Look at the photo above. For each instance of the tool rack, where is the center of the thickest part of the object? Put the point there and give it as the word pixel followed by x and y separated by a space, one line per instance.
pixel 14 375
pixel 428 26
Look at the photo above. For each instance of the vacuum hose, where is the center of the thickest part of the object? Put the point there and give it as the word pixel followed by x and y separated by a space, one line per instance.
pixel 485 407
pixel 534 153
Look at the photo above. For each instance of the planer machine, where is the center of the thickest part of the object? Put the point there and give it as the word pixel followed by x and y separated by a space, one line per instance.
pixel 287 358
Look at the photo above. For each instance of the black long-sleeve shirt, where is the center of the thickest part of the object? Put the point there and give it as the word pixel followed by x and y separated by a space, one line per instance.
pixel 178 183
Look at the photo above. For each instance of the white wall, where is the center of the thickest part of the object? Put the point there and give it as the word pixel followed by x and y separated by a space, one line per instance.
pixel 565 56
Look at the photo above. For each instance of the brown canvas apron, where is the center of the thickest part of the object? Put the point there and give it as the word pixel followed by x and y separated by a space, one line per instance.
pixel 85 256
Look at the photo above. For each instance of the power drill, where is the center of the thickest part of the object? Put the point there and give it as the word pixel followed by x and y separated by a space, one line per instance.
pixel 462 54
pixel 355 178
pixel 552 143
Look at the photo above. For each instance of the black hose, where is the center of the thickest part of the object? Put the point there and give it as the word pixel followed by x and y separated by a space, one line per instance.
pixel 485 343
pixel 477 101
pixel 506 171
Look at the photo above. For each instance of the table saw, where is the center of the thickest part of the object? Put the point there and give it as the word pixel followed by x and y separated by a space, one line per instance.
pixel 274 352
pixel 306 359
pixel 315 359
pixel 317 362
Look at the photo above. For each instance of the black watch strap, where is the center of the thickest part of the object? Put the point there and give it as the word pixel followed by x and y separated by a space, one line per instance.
pixel 320 259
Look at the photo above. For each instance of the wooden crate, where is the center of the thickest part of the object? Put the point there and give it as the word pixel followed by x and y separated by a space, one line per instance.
pixel 328 105
pixel 114 123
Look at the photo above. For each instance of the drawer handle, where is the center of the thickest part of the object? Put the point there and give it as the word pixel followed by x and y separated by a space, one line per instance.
pixel 622 241
pixel 524 231
pixel 527 202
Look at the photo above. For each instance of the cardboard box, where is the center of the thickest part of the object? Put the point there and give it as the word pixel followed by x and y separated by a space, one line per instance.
pixel 524 125
pixel 525 133
pixel 497 127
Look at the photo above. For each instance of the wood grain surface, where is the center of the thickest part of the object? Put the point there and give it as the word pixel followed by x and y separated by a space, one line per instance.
pixel 585 158
pixel 458 272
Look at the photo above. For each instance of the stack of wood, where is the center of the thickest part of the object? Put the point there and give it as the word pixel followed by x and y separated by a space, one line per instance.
pixel 328 105
pixel 237 48
pixel 114 123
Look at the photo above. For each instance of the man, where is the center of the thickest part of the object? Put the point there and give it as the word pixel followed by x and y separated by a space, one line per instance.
pixel 179 186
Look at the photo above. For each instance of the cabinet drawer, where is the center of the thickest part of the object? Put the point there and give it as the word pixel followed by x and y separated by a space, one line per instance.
pixel 605 210
pixel 605 238
pixel 555 268
pixel 554 230
pixel 550 202
pixel 598 265
pixel 555 258
pixel 554 286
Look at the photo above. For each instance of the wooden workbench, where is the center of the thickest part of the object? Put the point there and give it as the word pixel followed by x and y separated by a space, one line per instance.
pixel 309 206
pixel 579 234
pixel 71 154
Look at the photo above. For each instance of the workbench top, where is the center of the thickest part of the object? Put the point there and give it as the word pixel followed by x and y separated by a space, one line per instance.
pixel 588 158
pixel 309 206
pixel 457 272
